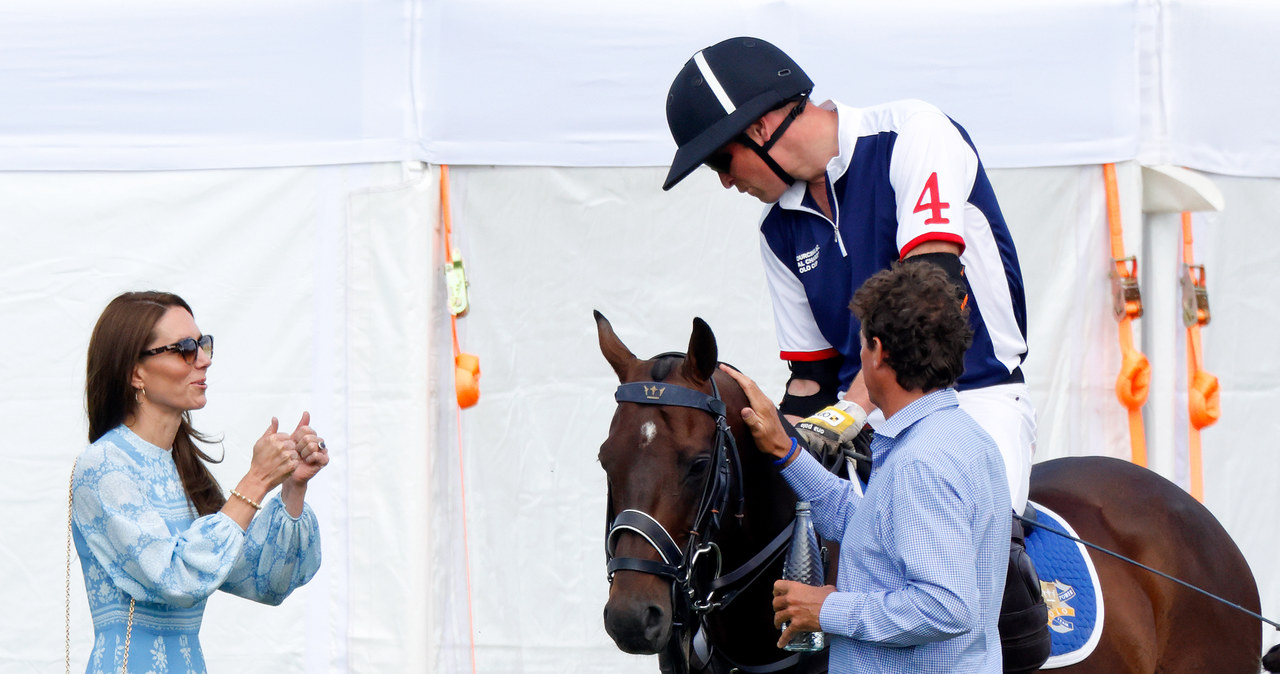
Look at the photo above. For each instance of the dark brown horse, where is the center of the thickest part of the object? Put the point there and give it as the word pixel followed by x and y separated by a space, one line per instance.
pixel 689 492
pixel 1153 624
pixel 661 459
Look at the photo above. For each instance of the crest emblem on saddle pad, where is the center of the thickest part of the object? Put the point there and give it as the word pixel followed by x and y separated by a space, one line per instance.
pixel 1056 597
pixel 654 392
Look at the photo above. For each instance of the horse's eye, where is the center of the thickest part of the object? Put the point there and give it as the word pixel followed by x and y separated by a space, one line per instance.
pixel 699 467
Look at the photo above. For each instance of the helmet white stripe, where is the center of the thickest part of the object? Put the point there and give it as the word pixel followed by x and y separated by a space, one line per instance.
pixel 714 83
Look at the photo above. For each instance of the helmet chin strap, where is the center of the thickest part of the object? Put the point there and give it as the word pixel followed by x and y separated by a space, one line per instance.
pixel 762 151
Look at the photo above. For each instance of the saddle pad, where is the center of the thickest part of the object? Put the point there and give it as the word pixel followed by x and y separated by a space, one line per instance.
pixel 1069 583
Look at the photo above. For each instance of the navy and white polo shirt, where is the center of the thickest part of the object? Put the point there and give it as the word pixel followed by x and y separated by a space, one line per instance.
pixel 905 174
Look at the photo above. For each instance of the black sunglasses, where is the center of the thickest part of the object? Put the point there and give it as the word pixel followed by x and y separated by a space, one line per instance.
pixel 187 347
pixel 720 162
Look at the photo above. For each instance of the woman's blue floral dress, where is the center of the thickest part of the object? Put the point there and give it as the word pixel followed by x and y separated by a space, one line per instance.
pixel 136 536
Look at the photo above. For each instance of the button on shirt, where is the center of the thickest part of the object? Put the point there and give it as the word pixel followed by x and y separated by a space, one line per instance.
pixel 923 553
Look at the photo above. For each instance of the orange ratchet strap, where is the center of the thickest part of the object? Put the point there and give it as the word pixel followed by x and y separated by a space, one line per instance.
pixel 1202 387
pixel 1133 383
pixel 466 380
pixel 466 366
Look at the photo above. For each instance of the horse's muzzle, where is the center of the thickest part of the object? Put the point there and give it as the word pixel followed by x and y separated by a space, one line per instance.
pixel 637 625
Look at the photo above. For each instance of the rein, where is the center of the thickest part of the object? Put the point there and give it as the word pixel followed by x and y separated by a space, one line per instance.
pixel 1140 565
pixel 689 596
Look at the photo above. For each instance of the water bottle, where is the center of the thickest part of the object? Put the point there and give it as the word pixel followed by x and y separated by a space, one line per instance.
pixel 804 565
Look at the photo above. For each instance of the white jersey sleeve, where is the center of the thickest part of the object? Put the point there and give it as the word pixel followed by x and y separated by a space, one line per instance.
pixel 932 172
pixel 798 334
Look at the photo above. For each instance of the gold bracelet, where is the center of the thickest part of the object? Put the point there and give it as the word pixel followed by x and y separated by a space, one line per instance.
pixel 246 499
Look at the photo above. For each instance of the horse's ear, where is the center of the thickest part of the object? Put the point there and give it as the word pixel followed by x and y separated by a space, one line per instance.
pixel 702 357
pixel 617 353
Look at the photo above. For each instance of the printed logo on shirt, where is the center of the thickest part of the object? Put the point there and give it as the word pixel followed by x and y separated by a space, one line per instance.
pixel 807 260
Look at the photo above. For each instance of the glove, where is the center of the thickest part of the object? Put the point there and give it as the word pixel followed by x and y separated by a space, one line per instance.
pixel 831 428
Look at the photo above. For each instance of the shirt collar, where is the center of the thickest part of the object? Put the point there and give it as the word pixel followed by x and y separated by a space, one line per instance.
pixel 847 123
pixel 137 443
pixel 917 410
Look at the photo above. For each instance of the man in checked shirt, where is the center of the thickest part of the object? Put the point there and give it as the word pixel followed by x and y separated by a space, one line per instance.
pixel 923 553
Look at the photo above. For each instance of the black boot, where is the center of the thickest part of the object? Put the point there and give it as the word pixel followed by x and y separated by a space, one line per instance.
pixel 1024 618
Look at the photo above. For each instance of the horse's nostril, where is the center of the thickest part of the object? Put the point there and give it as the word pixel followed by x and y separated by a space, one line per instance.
pixel 654 621
pixel 639 626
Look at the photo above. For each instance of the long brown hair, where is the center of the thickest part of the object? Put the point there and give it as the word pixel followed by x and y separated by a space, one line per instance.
pixel 124 329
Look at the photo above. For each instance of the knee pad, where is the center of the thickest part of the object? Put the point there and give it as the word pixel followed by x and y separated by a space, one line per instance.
pixel 826 373
pixel 1024 618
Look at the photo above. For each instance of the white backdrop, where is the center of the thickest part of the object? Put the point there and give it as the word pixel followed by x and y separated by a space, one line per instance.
pixel 320 285
pixel 151 85
pixel 312 253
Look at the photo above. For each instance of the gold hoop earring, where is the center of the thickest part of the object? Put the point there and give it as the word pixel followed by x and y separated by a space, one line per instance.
pixel 137 391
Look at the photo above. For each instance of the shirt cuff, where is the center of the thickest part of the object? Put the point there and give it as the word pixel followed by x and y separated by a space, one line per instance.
pixel 278 502
pixel 839 614
pixel 806 476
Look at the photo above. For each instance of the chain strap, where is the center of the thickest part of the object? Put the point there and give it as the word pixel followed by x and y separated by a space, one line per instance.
pixel 67 622
pixel 128 630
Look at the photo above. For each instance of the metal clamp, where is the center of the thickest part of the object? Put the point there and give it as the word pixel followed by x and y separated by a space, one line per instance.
pixel 1126 298
pixel 1195 296
pixel 703 549
pixel 705 605
pixel 455 283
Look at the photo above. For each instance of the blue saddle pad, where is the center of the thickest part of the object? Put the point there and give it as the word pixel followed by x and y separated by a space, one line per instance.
pixel 1069 583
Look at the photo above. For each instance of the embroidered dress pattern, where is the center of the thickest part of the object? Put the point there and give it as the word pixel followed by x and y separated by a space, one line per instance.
pixel 136 536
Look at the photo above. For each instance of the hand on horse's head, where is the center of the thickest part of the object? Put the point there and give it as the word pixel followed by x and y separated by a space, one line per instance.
pixel 761 417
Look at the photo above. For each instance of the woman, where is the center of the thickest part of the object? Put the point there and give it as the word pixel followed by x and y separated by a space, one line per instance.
pixel 153 531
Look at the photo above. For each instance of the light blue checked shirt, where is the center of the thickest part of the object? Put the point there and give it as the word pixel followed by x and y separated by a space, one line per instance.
pixel 923 554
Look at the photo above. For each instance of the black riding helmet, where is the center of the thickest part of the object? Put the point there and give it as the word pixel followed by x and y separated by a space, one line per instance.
pixel 721 91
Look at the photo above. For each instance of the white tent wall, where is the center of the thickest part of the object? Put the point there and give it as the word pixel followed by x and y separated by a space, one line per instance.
pixel 609 240
pixel 320 277
pixel 589 81
pixel 561 83
pixel 145 85
pixel 316 282
pixel 345 256
pixel 1240 467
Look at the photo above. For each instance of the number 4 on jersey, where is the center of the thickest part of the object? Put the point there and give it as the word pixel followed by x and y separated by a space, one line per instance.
pixel 935 203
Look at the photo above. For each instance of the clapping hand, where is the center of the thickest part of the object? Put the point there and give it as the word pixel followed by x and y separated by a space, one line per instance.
pixel 275 456
pixel 312 453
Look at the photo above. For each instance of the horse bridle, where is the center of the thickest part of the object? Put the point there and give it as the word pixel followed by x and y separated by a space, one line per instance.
pixel 678 565
pixel 724 484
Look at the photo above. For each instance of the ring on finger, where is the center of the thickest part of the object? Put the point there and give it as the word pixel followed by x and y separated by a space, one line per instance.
pixel 322 444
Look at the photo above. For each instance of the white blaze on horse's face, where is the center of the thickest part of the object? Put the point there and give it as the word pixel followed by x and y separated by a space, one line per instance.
pixel 648 431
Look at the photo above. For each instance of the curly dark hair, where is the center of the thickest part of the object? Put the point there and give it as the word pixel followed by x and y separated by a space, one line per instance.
pixel 920 317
